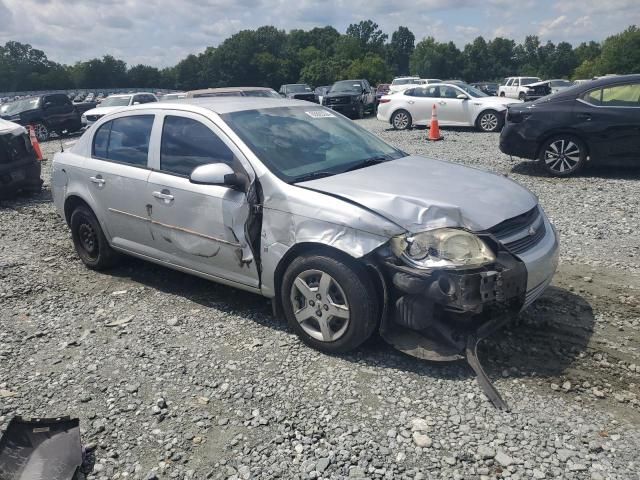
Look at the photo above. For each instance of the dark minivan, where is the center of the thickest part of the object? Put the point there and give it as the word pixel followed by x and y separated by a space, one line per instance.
pixel 596 122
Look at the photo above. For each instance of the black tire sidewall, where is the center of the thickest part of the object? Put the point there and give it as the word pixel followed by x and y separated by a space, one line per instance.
pixel 46 127
pixel 358 288
pixel 408 116
pixel 105 257
pixel 360 113
pixel 498 125
pixel 577 141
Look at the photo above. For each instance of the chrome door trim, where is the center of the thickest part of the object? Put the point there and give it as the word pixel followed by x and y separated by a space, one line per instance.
pixel 173 227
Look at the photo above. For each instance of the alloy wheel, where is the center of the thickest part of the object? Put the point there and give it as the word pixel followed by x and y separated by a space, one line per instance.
pixel 400 120
pixel 489 122
pixel 41 131
pixel 320 305
pixel 562 156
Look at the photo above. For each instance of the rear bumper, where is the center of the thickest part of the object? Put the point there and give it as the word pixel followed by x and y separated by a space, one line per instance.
pixel 513 142
pixel 19 176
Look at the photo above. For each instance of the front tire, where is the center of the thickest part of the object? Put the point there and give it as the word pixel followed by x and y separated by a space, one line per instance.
pixel 489 121
pixel 522 96
pixel 330 303
pixel 401 120
pixel 89 241
pixel 42 131
pixel 360 113
pixel 563 155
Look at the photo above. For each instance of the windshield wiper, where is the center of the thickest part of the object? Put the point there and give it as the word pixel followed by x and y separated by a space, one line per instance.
pixel 312 176
pixel 367 163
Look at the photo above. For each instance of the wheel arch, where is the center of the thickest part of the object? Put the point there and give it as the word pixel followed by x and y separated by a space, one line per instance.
pixel 305 248
pixel 398 109
pixel 499 113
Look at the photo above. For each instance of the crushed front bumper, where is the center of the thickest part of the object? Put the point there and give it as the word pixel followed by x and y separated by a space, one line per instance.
pixel 19 176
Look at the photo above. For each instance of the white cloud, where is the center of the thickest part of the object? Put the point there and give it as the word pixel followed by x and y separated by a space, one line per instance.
pixel 161 32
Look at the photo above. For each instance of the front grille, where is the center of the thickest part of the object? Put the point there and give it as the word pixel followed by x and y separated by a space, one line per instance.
pixel 305 96
pixel 338 100
pixel 527 228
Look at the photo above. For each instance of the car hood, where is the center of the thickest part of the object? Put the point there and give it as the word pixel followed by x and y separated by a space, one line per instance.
pixel 341 94
pixel 419 194
pixel 495 100
pixel 102 110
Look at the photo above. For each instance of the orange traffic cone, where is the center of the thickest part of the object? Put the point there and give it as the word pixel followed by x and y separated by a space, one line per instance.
pixel 34 142
pixel 434 129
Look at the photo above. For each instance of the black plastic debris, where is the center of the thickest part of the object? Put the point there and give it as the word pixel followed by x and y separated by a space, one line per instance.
pixel 41 448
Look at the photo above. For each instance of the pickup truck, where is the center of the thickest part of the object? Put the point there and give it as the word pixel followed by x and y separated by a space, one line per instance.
pixel 523 88
pixel 352 98
pixel 47 113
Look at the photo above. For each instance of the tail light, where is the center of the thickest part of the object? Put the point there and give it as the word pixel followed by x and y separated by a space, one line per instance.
pixel 385 100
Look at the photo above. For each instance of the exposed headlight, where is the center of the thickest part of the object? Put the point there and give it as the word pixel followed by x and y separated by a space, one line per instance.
pixel 442 248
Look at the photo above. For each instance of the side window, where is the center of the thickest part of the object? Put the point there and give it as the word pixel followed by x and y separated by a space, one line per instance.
pixel 594 97
pixel 516 82
pixel 151 99
pixel 124 140
pixel 621 96
pixel 136 98
pixel 448 92
pixel 509 82
pixel 187 144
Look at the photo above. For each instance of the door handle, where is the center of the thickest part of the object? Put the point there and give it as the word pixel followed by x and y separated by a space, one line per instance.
pixel 164 195
pixel 98 180
pixel 411 102
pixel 442 102
pixel 586 116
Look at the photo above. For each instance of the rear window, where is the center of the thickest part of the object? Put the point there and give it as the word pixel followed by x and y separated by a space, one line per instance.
pixel 15 148
pixel 124 140
pixel 621 96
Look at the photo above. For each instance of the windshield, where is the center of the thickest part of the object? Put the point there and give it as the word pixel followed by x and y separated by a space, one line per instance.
pixel 298 88
pixel 347 86
pixel 115 102
pixel 561 83
pixel 261 93
pixel 474 92
pixel 22 106
pixel 298 142
pixel 528 80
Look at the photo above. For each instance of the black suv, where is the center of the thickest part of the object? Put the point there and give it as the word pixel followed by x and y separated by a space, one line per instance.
pixel 598 122
pixel 299 91
pixel 353 98
pixel 47 113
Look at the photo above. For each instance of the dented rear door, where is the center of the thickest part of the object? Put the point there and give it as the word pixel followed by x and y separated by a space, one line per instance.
pixel 198 227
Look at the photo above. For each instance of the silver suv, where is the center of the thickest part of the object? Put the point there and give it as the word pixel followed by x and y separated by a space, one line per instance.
pixel 345 233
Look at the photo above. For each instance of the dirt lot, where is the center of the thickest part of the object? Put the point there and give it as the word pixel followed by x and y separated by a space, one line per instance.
pixel 176 377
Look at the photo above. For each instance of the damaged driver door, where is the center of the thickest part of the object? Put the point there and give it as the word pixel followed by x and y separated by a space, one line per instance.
pixel 198 227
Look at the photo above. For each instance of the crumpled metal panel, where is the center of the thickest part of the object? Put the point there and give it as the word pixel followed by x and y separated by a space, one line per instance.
pixel 420 194
pixel 40 448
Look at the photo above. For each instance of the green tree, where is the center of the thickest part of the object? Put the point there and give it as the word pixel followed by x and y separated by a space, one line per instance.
pixel 620 53
pixel 371 66
pixel 432 59
pixel 477 61
pixel 369 36
pixel 143 76
pixel 400 49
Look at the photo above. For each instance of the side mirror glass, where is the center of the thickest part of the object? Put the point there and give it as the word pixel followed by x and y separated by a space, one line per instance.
pixel 462 96
pixel 217 174
pixel 47 104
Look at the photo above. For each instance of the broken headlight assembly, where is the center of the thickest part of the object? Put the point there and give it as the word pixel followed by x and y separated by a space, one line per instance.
pixel 442 248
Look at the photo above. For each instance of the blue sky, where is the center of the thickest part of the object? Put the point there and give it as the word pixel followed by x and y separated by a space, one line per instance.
pixel 161 32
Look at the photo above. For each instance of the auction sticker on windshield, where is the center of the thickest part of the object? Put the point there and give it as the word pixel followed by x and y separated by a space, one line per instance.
pixel 320 114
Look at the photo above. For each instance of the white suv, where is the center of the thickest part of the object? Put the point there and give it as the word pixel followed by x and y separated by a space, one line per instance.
pixel 400 84
pixel 522 88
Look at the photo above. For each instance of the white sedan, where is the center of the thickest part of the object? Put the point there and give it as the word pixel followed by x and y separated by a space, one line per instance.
pixel 458 105
pixel 115 102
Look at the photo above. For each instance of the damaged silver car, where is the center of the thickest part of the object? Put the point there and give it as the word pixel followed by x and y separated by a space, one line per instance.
pixel 345 233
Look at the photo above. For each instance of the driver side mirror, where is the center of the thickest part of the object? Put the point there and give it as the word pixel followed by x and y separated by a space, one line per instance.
pixel 136 103
pixel 462 96
pixel 218 174
pixel 47 104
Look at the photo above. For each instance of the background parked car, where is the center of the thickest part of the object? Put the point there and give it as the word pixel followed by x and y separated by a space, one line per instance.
pixel 598 122
pixel 400 84
pixel 47 113
pixel 523 88
pixel 490 88
pixel 458 105
pixel 382 89
pixel 19 167
pixel 169 97
pixel 115 102
pixel 559 84
pixel 298 91
pixel 353 98
pixel 234 92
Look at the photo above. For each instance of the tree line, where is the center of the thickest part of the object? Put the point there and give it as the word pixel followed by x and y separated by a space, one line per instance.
pixel 270 57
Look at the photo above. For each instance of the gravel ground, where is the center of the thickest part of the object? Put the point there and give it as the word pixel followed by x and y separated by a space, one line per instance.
pixel 176 377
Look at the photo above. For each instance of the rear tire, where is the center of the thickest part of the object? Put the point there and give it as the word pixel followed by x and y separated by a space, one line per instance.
pixel 89 240
pixel 563 155
pixel 360 114
pixel 522 96
pixel 330 302
pixel 42 131
pixel 401 120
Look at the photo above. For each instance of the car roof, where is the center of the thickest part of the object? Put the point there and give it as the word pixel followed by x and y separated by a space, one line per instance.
pixel 227 89
pixel 222 105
